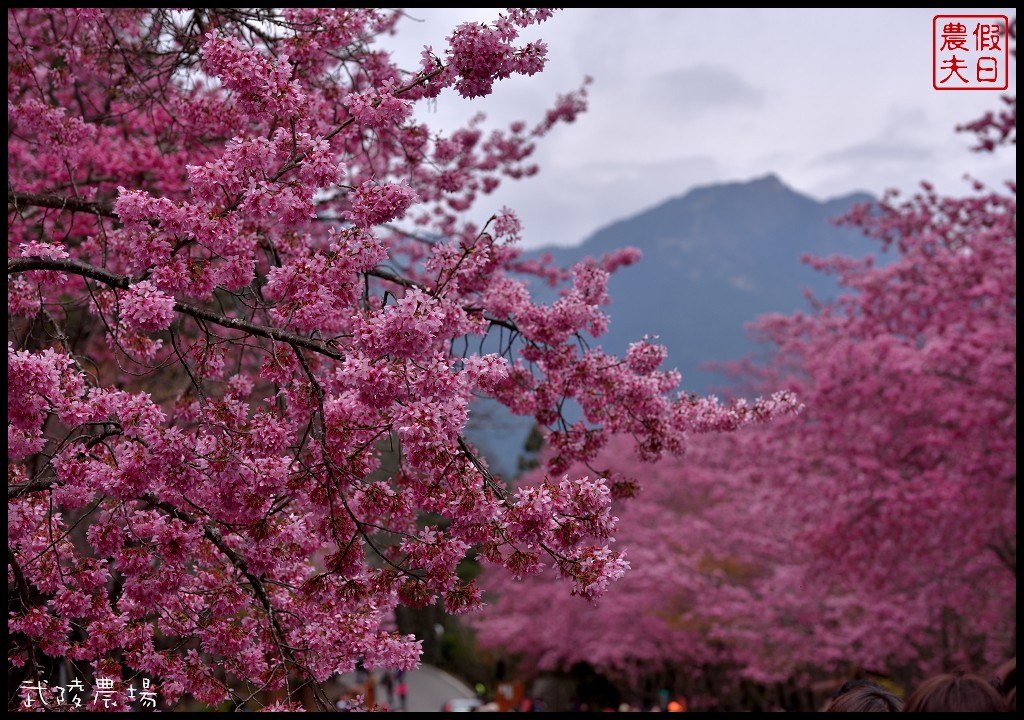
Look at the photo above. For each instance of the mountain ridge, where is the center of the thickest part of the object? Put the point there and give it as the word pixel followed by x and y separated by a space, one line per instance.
pixel 769 182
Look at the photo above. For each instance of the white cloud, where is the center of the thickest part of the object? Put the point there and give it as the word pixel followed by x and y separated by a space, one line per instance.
pixel 831 100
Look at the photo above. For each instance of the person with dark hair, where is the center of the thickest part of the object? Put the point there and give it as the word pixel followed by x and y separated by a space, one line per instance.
pixel 863 696
pixel 957 691
pixel 1005 681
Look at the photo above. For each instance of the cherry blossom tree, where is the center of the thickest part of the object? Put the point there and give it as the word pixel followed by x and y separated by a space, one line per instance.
pixel 873 532
pixel 248 295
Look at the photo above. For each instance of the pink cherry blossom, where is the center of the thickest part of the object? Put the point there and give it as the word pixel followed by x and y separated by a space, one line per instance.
pixel 144 307
pixel 252 304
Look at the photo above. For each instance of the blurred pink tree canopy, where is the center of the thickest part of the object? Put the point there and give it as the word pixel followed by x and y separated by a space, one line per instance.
pixel 873 532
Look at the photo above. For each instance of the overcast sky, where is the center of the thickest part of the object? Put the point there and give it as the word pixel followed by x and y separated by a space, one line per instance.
pixel 830 100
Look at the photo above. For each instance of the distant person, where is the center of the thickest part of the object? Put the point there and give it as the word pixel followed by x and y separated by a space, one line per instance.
pixel 402 690
pixel 863 696
pixel 346 701
pixel 388 681
pixel 1005 682
pixel 577 705
pixel 958 691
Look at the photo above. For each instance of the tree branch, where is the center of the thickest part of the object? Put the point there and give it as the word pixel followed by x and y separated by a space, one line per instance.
pixel 58 202
pixel 122 282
